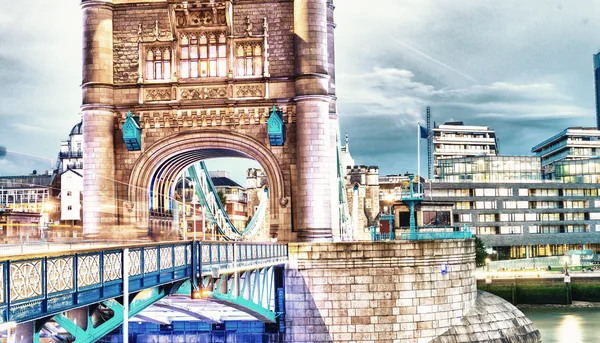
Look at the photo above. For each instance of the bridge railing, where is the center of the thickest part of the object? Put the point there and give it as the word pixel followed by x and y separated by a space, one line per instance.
pixel 227 255
pixel 43 284
pixel 424 233
pixel 39 285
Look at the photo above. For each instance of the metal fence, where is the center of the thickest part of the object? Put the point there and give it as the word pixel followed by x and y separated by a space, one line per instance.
pixel 424 233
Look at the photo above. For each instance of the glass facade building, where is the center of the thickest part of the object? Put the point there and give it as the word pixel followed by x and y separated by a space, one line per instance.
pixel 490 169
pixel 574 143
pixel 454 140
pixel 526 219
pixel 578 171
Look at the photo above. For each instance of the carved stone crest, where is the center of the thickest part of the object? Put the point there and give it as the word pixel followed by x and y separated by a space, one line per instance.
pixel 250 91
pixel 159 94
pixel 201 93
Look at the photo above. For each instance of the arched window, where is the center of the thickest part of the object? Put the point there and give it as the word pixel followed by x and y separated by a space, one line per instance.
pixel 204 55
pixel 158 64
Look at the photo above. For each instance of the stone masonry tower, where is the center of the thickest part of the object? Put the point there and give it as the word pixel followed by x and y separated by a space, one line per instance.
pixel 98 115
pixel 201 79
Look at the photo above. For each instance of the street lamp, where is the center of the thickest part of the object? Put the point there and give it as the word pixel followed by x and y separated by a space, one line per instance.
pixel 487 263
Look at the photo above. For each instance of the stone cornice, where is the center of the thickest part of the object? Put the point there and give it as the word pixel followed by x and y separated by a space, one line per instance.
pixel 96 4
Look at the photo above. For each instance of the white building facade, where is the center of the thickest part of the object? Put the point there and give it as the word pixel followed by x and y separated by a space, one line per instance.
pixel 454 139
pixel 71 168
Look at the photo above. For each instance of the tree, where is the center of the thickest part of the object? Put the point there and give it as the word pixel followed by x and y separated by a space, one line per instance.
pixel 222 197
pixel 480 253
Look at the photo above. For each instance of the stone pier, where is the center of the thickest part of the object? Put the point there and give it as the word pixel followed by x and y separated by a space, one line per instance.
pixel 400 291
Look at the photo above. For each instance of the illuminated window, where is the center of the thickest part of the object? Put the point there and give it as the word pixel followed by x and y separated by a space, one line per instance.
pixel 203 55
pixel 249 59
pixel 158 63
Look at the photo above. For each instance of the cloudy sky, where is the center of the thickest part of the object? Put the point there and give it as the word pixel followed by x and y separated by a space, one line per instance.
pixel 522 67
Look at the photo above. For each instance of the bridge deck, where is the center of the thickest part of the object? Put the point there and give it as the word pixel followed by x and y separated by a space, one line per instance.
pixel 42 284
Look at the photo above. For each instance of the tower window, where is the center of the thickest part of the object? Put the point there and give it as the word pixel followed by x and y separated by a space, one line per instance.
pixel 158 64
pixel 203 55
pixel 249 59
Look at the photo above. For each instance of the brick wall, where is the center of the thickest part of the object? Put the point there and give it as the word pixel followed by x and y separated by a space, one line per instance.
pixel 377 291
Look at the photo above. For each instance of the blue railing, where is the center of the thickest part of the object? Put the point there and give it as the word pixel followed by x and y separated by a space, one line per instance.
pixel 225 256
pixel 424 233
pixel 37 286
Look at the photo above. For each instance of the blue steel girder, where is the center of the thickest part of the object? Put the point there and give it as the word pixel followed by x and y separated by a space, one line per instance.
pixel 251 291
pixel 91 334
pixel 38 286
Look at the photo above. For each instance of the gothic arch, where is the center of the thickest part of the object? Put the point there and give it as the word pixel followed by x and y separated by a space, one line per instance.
pixel 174 153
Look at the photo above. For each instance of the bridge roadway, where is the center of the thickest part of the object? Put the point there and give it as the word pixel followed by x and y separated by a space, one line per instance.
pixel 50 285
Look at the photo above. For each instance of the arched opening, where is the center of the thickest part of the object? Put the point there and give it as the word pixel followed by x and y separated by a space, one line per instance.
pixel 154 177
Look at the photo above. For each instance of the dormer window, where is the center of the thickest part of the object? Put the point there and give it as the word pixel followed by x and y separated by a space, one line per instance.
pixel 203 55
pixel 158 63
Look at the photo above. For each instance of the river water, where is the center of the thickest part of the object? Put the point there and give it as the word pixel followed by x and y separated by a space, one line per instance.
pixel 566 325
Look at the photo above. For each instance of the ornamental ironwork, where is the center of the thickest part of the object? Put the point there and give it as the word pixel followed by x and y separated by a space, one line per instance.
pixel 180 255
pixel 150 260
pixel 166 258
pixel 88 270
pixel 134 262
pixel 112 266
pixel 205 254
pixel 59 276
pixel 26 280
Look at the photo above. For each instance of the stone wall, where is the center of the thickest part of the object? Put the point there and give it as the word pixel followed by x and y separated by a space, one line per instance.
pixel 377 291
pixel 280 18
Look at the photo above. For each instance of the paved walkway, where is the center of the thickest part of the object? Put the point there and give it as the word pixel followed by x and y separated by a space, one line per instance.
pixel 40 247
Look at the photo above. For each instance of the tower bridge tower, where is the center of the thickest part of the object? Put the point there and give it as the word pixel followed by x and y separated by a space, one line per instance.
pixel 201 78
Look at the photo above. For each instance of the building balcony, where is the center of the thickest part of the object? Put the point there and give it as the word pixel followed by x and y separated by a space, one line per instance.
pixel 463 140
pixel 70 154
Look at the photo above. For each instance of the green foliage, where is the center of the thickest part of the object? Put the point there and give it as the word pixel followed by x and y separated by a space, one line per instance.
pixel 480 253
pixel 222 197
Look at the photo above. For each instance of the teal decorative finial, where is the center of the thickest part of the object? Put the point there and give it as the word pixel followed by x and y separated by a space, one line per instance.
pixel 276 127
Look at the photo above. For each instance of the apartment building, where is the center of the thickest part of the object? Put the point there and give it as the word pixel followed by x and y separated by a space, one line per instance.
pixel 454 139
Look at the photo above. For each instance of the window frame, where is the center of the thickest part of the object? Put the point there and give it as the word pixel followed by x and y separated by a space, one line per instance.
pixel 165 49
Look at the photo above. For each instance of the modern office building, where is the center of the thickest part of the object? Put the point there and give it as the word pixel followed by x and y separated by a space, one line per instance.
pixel 526 219
pixel 573 143
pixel 578 171
pixel 490 169
pixel 454 139
pixel 597 84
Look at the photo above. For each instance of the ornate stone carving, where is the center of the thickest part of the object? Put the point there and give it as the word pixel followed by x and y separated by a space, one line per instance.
pixel 200 14
pixel 201 93
pixel 249 91
pixel 158 94
pixel 214 116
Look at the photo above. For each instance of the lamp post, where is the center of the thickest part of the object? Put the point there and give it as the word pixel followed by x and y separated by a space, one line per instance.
pixel 487 263
pixel 194 206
